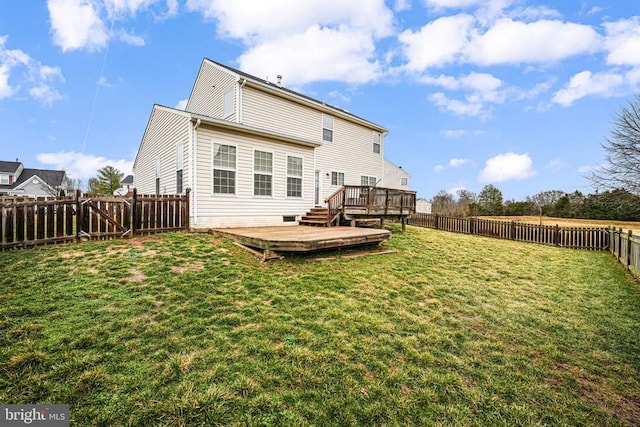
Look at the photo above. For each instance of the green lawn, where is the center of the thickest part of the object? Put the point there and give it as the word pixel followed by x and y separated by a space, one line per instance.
pixel 190 329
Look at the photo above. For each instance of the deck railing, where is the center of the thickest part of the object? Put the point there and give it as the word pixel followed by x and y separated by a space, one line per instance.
pixel 370 201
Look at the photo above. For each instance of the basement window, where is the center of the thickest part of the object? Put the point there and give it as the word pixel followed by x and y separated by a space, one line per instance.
pixel 289 218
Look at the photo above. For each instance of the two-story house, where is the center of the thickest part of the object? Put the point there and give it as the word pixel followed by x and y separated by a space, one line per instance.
pixel 254 152
pixel 16 180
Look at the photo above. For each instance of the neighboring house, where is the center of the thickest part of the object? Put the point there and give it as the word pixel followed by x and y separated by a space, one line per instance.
pixel 423 206
pixel 126 186
pixel 16 180
pixel 254 152
pixel 395 176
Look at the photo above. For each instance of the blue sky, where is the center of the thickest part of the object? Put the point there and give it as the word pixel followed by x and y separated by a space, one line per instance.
pixel 515 93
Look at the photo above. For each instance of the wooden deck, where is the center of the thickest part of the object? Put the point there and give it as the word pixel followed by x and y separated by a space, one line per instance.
pixel 299 238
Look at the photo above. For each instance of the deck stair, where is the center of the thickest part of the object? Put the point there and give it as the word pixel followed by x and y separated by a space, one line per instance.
pixel 316 216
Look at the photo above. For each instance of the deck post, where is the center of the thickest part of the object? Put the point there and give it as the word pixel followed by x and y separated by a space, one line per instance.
pixel 382 222
pixel 404 224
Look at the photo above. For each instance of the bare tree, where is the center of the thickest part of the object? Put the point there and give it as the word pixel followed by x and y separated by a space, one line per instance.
pixel 622 168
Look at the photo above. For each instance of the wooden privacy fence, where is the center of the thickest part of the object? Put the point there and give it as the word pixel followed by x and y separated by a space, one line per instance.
pixel 567 237
pixel 32 222
pixel 626 248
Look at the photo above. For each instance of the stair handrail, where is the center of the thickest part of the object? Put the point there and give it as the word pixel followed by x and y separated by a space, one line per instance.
pixel 335 203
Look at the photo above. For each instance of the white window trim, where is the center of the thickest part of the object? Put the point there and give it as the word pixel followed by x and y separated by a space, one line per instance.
pixel 333 135
pixel 378 143
pixel 213 167
pixel 344 177
pixel 286 185
pixel 231 108
pixel 253 168
pixel 375 180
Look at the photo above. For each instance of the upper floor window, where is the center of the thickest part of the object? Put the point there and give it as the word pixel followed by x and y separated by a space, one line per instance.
pixel 228 103
pixel 294 176
pixel 377 138
pixel 262 173
pixel 179 159
pixel 224 169
pixel 6 179
pixel 337 178
pixel 404 181
pixel 327 128
pixel 368 180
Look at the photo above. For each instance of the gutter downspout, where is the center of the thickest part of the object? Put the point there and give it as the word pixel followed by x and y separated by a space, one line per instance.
pixel 239 103
pixel 384 136
pixel 194 175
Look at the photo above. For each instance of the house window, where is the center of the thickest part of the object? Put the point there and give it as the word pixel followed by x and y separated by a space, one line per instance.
pixel 262 173
pixel 376 142
pixel 368 180
pixel 179 158
pixel 157 177
pixel 404 181
pixel 294 176
pixel 228 103
pixel 4 179
pixel 327 128
pixel 337 178
pixel 224 169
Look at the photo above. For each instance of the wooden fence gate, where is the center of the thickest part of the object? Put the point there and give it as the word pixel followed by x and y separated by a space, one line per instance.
pixel 27 222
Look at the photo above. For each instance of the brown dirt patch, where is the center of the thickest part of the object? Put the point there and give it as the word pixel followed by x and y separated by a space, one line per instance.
pixel 190 267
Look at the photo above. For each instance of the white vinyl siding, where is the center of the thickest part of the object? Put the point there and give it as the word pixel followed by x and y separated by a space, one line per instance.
pixel 208 95
pixel 166 129
pixel 224 169
pixel 294 176
pixel 337 178
pixel 244 208
pixel 395 176
pixel 262 173
pixel 327 128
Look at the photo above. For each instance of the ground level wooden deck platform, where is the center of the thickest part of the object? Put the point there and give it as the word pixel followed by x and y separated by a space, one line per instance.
pixel 301 238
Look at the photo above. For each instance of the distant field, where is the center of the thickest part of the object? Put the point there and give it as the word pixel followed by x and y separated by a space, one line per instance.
pixel 571 222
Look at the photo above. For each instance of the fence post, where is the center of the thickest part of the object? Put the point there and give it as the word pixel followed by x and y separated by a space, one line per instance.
pixel 133 213
pixel 556 236
pixel 79 215
pixel 619 243
pixel 187 210
pixel 628 261
pixel 436 221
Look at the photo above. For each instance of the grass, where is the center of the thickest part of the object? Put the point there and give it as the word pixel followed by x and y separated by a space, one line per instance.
pixel 181 329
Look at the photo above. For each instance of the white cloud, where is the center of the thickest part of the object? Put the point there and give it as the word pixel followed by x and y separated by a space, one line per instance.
pixel 82 166
pixel 623 41
pixel 182 104
pixel 402 5
pixel 508 166
pixel 82 24
pixel 347 57
pixel 254 21
pixel 545 41
pixel 76 24
pixel 457 162
pixel 587 83
pixel 471 107
pixel 438 43
pixel 438 168
pixel 18 70
pixel 342 35
pixel 128 38
pixel 454 133
pixel 556 164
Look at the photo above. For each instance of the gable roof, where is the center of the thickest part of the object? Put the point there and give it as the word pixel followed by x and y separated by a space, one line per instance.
pixel 9 167
pixel 52 178
pixel 127 180
pixel 284 92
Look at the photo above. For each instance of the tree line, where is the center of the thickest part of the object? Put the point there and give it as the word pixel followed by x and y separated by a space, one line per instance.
pixel 618 204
